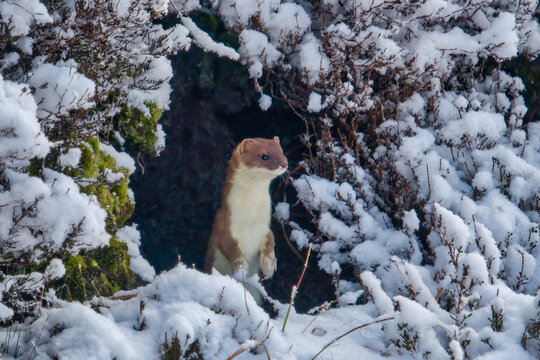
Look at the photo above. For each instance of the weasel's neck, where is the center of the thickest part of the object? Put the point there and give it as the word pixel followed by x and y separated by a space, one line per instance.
pixel 245 178
pixel 249 189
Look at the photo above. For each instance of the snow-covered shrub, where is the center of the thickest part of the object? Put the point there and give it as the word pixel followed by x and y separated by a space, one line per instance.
pixel 421 177
pixel 77 78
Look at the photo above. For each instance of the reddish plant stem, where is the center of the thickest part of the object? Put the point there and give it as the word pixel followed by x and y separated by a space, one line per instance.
pixel 295 289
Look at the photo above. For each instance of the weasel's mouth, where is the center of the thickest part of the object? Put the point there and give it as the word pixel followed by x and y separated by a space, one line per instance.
pixel 280 170
pixel 277 172
pixel 268 173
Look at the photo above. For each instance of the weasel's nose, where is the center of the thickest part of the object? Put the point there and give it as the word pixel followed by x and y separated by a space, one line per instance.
pixel 284 164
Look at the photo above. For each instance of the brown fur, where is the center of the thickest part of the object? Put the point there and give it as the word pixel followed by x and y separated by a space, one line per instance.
pixel 249 153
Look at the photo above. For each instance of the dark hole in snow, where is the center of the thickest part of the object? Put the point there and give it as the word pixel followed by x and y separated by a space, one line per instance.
pixel 213 107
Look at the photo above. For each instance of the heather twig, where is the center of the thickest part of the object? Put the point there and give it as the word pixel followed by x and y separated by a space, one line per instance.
pixel 295 288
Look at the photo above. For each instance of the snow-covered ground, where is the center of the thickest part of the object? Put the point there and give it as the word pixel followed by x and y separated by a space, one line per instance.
pixel 210 310
pixel 212 315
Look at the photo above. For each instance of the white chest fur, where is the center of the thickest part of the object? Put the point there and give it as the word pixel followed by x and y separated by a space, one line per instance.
pixel 250 207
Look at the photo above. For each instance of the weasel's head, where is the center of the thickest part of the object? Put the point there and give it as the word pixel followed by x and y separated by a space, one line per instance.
pixel 262 156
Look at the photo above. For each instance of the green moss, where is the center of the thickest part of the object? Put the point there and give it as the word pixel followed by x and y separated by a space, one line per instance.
pixel 138 129
pixel 99 272
pixel 74 263
pixel 113 197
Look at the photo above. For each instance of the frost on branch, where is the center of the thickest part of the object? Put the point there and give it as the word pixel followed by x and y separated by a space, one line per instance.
pixel 420 172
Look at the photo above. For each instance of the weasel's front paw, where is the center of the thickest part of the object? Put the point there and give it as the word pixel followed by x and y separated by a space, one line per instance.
pixel 268 264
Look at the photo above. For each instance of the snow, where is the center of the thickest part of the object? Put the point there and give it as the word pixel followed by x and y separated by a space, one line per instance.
pixel 78 208
pixel 410 221
pixel 301 239
pixel 313 62
pixel 131 236
pixel 474 124
pixel 206 42
pixel 87 335
pixel 160 138
pixel 460 102
pixel 20 14
pixel 5 312
pixel 501 33
pixel 350 298
pixel 9 59
pixel 56 194
pixel 455 229
pixel 122 159
pixel 159 71
pixel 70 158
pixel 20 134
pixel 60 88
pixel 256 52
pixel 55 269
pixel 382 302
pixel 324 189
pixel 240 11
pixel 186 6
pixel 25 44
pixel 290 20
pixel 334 227
pixel 37 218
pixel 511 351
pixel 456 349
pixel 111 176
pixel 314 104
pixel 282 211
pixel 461 147
pixel 248 344
pixel 264 102
pixel 483 180
pixel 377 253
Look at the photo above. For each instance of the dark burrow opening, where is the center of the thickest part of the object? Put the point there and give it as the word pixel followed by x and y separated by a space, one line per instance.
pixel 213 107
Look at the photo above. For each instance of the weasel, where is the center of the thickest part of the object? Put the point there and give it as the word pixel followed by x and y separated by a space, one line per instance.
pixel 241 235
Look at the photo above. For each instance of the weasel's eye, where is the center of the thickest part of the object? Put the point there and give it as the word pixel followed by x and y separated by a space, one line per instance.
pixel 264 157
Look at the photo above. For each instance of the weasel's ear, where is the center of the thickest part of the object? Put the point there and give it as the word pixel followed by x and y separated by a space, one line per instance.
pixel 276 139
pixel 244 145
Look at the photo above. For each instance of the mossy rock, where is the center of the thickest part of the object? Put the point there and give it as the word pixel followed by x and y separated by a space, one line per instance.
pixel 138 129
pixel 103 271
pixel 98 272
